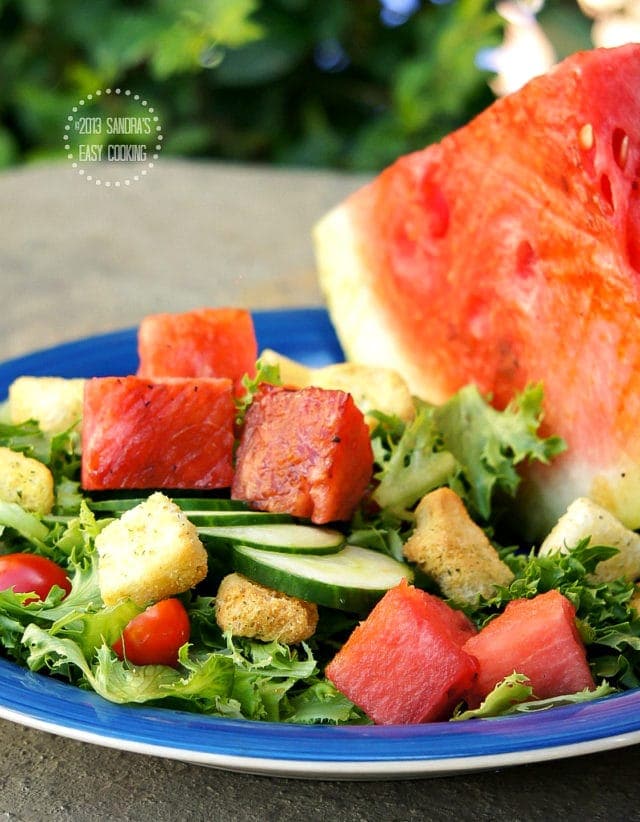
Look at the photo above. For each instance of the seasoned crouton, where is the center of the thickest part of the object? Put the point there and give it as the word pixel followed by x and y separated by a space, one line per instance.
pixel 372 388
pixel 251 610
pixel 55 402
pixel 584 518
pixel 455 552
pixel 152 552
pixel 26 481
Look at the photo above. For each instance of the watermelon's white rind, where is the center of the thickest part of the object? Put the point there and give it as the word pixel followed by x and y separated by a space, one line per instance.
pixel 359 321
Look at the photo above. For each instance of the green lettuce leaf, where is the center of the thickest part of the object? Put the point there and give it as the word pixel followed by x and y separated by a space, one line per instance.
pixel 488 444
pixel 514 694
pixel 412 466
pixel 464 443
pixel 265 373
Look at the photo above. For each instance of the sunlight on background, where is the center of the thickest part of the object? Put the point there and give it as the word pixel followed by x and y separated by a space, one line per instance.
pixel 526 50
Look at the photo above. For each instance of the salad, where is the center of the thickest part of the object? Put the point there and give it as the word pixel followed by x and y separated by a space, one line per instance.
pixel 171 650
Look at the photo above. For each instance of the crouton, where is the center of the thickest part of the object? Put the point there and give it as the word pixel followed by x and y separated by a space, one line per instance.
pixel 634 602
pixel 55 402
pixel 26 481
pixel 372 388
pixel 453 551
pixel 248 609
pixel 152 552
pixel 584 518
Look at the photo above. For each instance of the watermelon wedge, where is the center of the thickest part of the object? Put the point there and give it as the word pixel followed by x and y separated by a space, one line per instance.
pixel 507 254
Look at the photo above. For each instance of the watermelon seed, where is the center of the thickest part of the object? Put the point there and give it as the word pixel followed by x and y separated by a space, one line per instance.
pixel 585 137
pixel 620 144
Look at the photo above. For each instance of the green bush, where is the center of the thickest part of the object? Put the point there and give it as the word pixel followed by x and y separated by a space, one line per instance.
pixel 341 83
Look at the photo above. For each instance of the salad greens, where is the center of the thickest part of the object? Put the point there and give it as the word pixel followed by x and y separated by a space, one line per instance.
pixel 465 444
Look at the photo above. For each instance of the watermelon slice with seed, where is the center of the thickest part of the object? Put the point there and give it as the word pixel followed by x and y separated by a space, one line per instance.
pixel 508 254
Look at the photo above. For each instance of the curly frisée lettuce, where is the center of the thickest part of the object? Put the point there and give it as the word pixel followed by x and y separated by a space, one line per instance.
pixel 242 679
pixel 515 695
pixel 464 443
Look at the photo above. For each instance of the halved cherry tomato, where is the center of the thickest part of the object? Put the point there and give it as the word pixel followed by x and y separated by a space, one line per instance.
pixel 29 572
pixel 155 636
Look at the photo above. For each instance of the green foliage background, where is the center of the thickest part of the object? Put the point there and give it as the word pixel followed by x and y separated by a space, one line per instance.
pixel 340 83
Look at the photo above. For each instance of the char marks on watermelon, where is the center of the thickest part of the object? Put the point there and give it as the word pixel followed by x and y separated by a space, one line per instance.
pixel 507 254
pixel 305 452
pixel 143 433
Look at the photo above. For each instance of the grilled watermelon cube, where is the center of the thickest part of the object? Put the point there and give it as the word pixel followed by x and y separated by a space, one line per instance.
pixel 144 433
pixel 509 253
pixel 405 663
pixel 536 637
pixel 206 342
pixel 305 452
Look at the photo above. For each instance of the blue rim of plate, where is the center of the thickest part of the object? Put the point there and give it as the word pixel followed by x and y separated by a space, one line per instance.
pixel 351 752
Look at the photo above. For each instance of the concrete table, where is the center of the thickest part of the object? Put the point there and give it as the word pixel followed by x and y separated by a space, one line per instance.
pixel 75 260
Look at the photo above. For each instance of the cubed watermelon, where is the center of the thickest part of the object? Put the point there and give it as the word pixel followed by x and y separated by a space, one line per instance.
pixel 143 433
pixel 206 342
pixel 305 452
pixel 405 663
pixel 536 637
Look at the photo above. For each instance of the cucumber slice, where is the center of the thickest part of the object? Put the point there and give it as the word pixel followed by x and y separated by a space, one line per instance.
pixel 288 538
pixel 352 579
pixel 186 503
pixel 236 518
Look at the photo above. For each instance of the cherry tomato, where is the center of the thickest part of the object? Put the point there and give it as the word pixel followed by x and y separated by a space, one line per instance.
pixel 155 636
pixel 29 572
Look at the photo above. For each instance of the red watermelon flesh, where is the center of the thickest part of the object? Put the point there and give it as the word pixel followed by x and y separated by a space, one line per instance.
pixel 305 452
pixel 143 433
pixel 404 664
pixel 538 638
pixel 205 342
pixel 507 254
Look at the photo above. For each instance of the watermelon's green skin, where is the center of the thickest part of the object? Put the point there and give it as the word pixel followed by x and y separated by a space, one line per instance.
pixel 144 433
pixel 405 663
pixel 205 342
pixel 507 254
pixel 535 637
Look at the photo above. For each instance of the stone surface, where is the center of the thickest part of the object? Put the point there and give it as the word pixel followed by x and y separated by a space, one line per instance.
pixel 77 260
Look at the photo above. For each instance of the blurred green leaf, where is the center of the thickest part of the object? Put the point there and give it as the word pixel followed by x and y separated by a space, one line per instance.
pixel 8 148
pixel 337 83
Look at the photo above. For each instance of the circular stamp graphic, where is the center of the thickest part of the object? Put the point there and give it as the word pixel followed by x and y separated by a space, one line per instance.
pixel 113 138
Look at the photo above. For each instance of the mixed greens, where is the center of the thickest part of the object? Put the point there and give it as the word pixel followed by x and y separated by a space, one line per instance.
pixel 465 444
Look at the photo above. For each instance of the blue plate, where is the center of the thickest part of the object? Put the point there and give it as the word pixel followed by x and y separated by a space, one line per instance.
pixel 290 750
